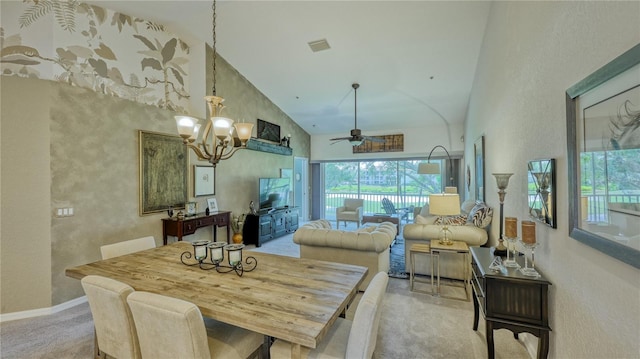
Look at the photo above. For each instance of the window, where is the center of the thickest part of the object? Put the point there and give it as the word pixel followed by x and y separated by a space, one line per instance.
pixel 375 180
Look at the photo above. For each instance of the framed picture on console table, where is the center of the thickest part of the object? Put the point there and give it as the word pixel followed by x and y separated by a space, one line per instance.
pixel 164 177
pixel 204 183
pixel 603 129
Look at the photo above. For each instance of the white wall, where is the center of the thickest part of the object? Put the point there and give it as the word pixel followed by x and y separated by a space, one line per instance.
pixel 417 143
pixel 533 52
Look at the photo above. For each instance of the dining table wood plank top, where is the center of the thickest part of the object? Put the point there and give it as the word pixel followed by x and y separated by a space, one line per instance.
pixel 288 298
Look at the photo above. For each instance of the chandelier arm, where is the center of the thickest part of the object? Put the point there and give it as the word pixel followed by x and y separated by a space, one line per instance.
pixel 205 135
pixel 198 152
pixel 231 153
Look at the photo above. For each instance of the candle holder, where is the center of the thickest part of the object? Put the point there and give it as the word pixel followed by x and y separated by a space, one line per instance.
pixel 511 249
pixel 215 252
pixel 199 253
pixel 529 271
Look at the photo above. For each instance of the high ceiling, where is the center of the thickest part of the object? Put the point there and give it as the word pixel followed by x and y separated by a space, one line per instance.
pixel 414 60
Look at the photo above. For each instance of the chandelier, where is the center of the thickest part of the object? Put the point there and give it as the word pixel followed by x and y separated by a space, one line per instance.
pixel 222 144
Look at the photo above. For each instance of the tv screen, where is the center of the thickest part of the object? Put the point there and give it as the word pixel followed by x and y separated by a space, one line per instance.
pixel 274 192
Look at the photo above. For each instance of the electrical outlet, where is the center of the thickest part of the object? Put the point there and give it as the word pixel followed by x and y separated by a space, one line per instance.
pixel 64 212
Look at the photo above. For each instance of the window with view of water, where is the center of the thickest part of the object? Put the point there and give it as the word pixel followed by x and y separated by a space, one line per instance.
pixel 374 180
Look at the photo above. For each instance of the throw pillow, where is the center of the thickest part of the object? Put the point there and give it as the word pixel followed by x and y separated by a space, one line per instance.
pixel 425 220
pixel 481 215
pixel 467 206
pixel 424 212
pixel 453 220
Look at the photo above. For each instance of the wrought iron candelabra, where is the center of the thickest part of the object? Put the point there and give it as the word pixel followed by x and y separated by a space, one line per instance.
pixel 215 252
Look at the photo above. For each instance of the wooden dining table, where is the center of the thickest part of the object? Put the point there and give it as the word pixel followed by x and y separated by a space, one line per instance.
pixel 288 298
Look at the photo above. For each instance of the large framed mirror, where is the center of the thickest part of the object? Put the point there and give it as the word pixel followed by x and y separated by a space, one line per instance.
pixel 603 139
pixel 541 186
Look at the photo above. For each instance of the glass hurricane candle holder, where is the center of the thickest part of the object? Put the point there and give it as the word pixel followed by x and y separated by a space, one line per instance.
pixel 199 253
pixel 511 253
pixel 529 271
pixel 216 250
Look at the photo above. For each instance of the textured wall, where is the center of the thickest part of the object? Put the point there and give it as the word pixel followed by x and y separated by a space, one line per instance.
pixel 533 52
pixel 25 229
pixel 94 169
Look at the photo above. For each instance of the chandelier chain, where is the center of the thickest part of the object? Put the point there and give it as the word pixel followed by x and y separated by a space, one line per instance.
pixel 213 65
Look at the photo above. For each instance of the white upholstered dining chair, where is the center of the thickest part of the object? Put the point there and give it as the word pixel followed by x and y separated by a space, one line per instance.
pixel 347 339
pixel 115 332
pixel 126 247
pixel 173 328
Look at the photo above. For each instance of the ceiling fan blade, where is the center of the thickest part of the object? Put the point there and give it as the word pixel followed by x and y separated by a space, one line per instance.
pixel 340 139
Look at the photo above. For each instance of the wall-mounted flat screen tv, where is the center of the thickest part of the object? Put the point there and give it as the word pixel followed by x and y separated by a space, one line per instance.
pixel 274 192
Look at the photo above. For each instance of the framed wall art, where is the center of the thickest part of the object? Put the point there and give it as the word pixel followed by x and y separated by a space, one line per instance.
pixel 603 130
pixel 212 204
pixel 268 131
pixel 204 183
pixel 390 143
pixel 478 151
pixel 541 191
pixel 163 172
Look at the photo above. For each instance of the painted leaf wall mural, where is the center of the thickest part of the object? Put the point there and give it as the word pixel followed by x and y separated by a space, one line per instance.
pixel 96 48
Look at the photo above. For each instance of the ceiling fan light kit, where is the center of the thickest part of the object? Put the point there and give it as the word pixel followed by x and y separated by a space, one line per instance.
pixel 356 138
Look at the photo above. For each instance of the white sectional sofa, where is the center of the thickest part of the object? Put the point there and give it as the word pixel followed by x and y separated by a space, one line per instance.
pixel 368 246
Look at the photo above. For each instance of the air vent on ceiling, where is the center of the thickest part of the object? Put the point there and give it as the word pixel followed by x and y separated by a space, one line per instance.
pixel 319 45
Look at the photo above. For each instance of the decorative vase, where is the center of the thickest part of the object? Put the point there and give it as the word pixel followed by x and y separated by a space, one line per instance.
pixel 237 238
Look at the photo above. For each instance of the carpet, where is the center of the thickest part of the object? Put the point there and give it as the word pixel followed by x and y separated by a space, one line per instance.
pixel 396 265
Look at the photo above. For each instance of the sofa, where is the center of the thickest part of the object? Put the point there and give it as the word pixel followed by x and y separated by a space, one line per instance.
pixel 471 226
pixel 368 246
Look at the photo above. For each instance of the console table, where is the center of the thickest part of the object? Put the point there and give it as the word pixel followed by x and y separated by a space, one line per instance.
pixel 509 300
pixel 182 227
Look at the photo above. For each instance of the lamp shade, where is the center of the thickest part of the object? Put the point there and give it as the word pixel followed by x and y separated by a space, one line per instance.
pixel 244 131
pixel 444 204
pixel 429 168
pixel 502 180
pixel 356 142
pixel 451 190
pixel 222 127
pixel 186 125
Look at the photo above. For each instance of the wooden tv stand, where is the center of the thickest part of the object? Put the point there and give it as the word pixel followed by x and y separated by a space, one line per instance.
pixel 268 225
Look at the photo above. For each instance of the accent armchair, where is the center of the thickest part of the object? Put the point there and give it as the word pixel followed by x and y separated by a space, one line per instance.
pixel 389 208
pixel 351 211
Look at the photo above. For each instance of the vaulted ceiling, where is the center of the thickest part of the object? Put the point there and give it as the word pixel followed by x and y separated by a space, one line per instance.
pixel 414 60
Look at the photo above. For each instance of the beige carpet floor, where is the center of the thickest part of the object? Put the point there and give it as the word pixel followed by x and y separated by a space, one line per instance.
pixel 413 325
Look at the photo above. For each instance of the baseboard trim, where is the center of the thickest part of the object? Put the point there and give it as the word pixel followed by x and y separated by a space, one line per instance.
pixel 42 311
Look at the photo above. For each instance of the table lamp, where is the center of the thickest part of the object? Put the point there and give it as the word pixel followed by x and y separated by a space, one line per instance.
pixel 502 181
pixel 444 205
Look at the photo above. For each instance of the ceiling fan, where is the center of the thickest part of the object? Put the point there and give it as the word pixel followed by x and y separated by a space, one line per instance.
pixel 356 138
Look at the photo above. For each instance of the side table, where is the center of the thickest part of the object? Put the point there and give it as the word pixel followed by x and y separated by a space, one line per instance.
pixel 457 247
pixel 418 248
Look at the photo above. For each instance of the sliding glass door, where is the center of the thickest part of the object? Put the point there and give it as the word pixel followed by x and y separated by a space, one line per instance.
pixel 372 181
